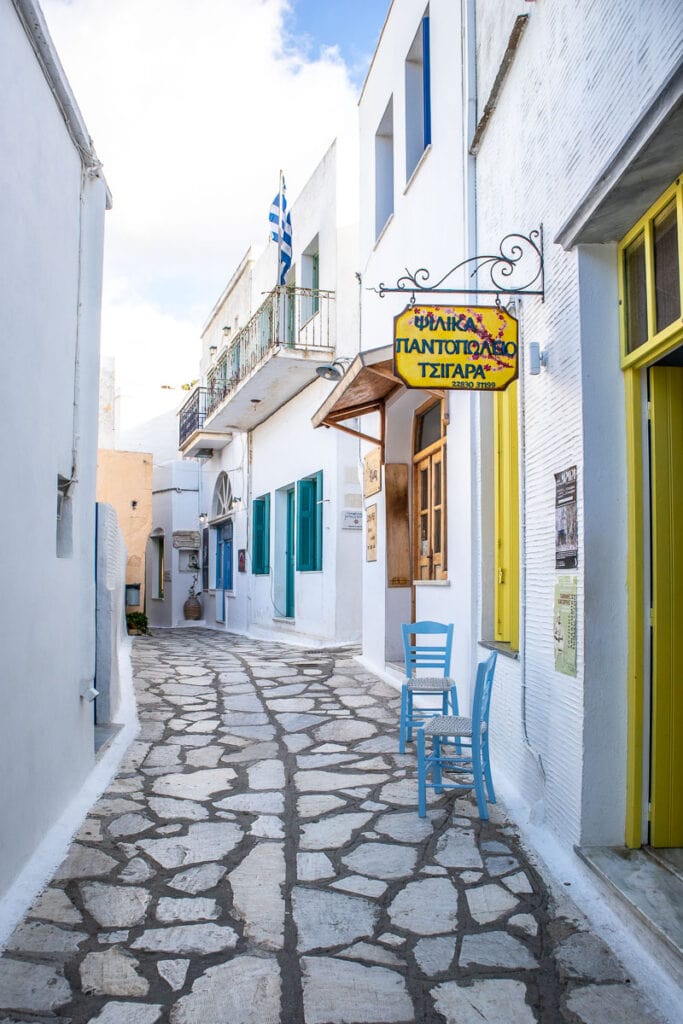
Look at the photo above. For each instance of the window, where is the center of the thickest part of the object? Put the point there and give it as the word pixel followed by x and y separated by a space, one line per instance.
pixel 310 280
pixel 506 608
pixel 260 559
pixel 429 494
pixel 650 274
pixel 418 99
pixel 158 568
pixel 309 524
pixel 384 169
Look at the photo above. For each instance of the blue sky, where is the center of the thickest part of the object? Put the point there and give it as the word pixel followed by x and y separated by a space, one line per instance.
pixel 352 25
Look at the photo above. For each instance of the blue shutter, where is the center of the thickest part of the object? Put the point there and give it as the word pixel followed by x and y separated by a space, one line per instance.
pixel 318 558
pixel 261 531
pixel 266 534
pixel 305 521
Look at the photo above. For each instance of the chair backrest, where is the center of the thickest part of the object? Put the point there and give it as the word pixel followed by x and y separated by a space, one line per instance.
pixel 481 704
pixel 435 654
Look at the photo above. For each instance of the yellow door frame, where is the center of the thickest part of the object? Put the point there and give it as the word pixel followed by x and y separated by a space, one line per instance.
pixel 633 363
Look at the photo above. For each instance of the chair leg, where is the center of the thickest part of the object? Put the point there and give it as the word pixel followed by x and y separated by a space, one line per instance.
pixel 487 771
pixel 478 773
pixel 421 775
pixel 404 718
pixel 436 769
pixel 409 715
pixel 454 701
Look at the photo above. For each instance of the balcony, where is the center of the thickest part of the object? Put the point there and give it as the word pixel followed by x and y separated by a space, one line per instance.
pixel 270 360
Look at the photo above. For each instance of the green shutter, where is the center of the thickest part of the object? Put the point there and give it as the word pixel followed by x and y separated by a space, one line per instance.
pixel 260 561
pixel 309 514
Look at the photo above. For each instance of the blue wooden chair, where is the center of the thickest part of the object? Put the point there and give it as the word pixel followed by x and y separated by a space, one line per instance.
pixel 434 657
pixel 470 753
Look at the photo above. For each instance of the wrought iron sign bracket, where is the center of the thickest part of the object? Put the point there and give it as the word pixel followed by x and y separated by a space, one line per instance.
pixel 516 270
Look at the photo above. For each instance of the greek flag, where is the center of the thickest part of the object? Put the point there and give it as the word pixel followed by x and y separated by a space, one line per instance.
pixel 281 230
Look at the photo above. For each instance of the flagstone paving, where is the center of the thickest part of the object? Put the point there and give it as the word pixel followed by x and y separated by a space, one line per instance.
pixel 259 859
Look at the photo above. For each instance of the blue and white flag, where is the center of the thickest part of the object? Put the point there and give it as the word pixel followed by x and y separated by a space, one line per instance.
pixel 281 230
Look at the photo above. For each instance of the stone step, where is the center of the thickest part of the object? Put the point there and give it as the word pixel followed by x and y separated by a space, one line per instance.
pixel 650 889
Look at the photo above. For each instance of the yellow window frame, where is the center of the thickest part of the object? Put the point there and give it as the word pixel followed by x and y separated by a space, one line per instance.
pixel 657 345
pixel 506 605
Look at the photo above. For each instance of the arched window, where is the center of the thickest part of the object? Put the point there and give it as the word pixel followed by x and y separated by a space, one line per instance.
pixel 222 497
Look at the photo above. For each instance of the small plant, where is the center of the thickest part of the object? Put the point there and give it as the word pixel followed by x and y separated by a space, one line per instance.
pixel 137 623
pixel 193 592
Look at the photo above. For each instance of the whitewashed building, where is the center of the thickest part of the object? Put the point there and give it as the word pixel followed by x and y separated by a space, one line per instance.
pixel 52 203
pixel 280 504
pixel 541 519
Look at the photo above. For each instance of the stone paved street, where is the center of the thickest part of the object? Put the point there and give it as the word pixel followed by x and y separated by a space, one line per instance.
pixel 259 859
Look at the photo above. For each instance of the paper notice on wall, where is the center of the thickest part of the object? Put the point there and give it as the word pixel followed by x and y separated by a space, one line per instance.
pixel 564 625
pixel 566 528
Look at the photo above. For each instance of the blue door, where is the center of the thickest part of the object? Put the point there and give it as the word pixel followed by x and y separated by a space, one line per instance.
pixel 223 567
pixel 289 557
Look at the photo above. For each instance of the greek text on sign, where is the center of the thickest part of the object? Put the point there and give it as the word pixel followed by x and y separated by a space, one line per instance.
pixel 471 348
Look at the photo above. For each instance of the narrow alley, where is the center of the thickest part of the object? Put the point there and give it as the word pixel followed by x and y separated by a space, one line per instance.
pixel 259 858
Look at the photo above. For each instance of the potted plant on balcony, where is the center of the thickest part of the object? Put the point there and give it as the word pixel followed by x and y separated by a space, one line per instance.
pixel 192 609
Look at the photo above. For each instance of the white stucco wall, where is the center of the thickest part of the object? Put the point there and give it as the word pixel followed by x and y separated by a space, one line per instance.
pixel 51 224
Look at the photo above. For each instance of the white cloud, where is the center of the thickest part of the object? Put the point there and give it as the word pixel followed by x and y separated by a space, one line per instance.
pixel 193 106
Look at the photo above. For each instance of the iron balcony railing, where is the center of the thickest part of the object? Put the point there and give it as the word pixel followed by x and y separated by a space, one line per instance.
pixel 290 318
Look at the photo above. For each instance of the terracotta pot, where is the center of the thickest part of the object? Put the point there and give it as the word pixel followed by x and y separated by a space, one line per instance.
pixel 192 609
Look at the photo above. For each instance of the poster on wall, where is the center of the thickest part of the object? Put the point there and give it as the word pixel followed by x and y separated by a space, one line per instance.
pixel 564 625
pixel 566 529
pixel 371 534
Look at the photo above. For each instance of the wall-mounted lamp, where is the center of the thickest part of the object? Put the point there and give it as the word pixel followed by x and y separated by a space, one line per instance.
pixel 332 371
pixel 212 351
pixel 226 331
pixel 203 518
pixel 537 359
pixel 235 503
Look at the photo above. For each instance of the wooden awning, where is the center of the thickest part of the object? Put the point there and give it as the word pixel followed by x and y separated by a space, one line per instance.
pixel 363 389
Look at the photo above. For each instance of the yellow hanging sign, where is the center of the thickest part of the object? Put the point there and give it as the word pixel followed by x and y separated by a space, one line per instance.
pixel 468 348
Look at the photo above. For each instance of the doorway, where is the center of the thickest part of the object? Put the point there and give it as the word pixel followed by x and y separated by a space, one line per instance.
pixel 665 393
pixel 289 556
pixel 224 535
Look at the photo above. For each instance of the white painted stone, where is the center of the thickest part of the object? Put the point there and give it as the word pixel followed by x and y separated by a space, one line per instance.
pixel 269 774
pixel 483 1002
pixel 186 740
pixel 32 988
pixel 129 825
pixel 361 886
pixel 198 879
pixel 495 949
pixel 297 742
pixel 291 704
pixel 206 726
pixel 162 756
pixel 368 951
pixel 245 990
pixel 325 760
pixel 518 883
pixel 173 972
pixel 82 862
pixel 295 721
pixel 525 922
pixel 55 905
pixel 115 906
pixel 267 826
pixel 204 757
pixel 457 848
pixel 254 803
pixel 186 810
pixel 345 731
pixel 328 918
pixel 207 840
pixel 90 831
pixel 199 785
pixel 312 866
pixel 611 1004
pixel 128 1013
pixel 489 902
pixel 117 937
pixel 427 907
pixel 584 955
pixel 48 939
pixel 188 939
pixel 314 806
pixel 332 832
pixel 137 870
pixel 339 992
pixel 382 860
pixel 112 973
pixel 390 939
pixel 330 782
pixel 434 955
pixel 199 908
pixel 257 894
